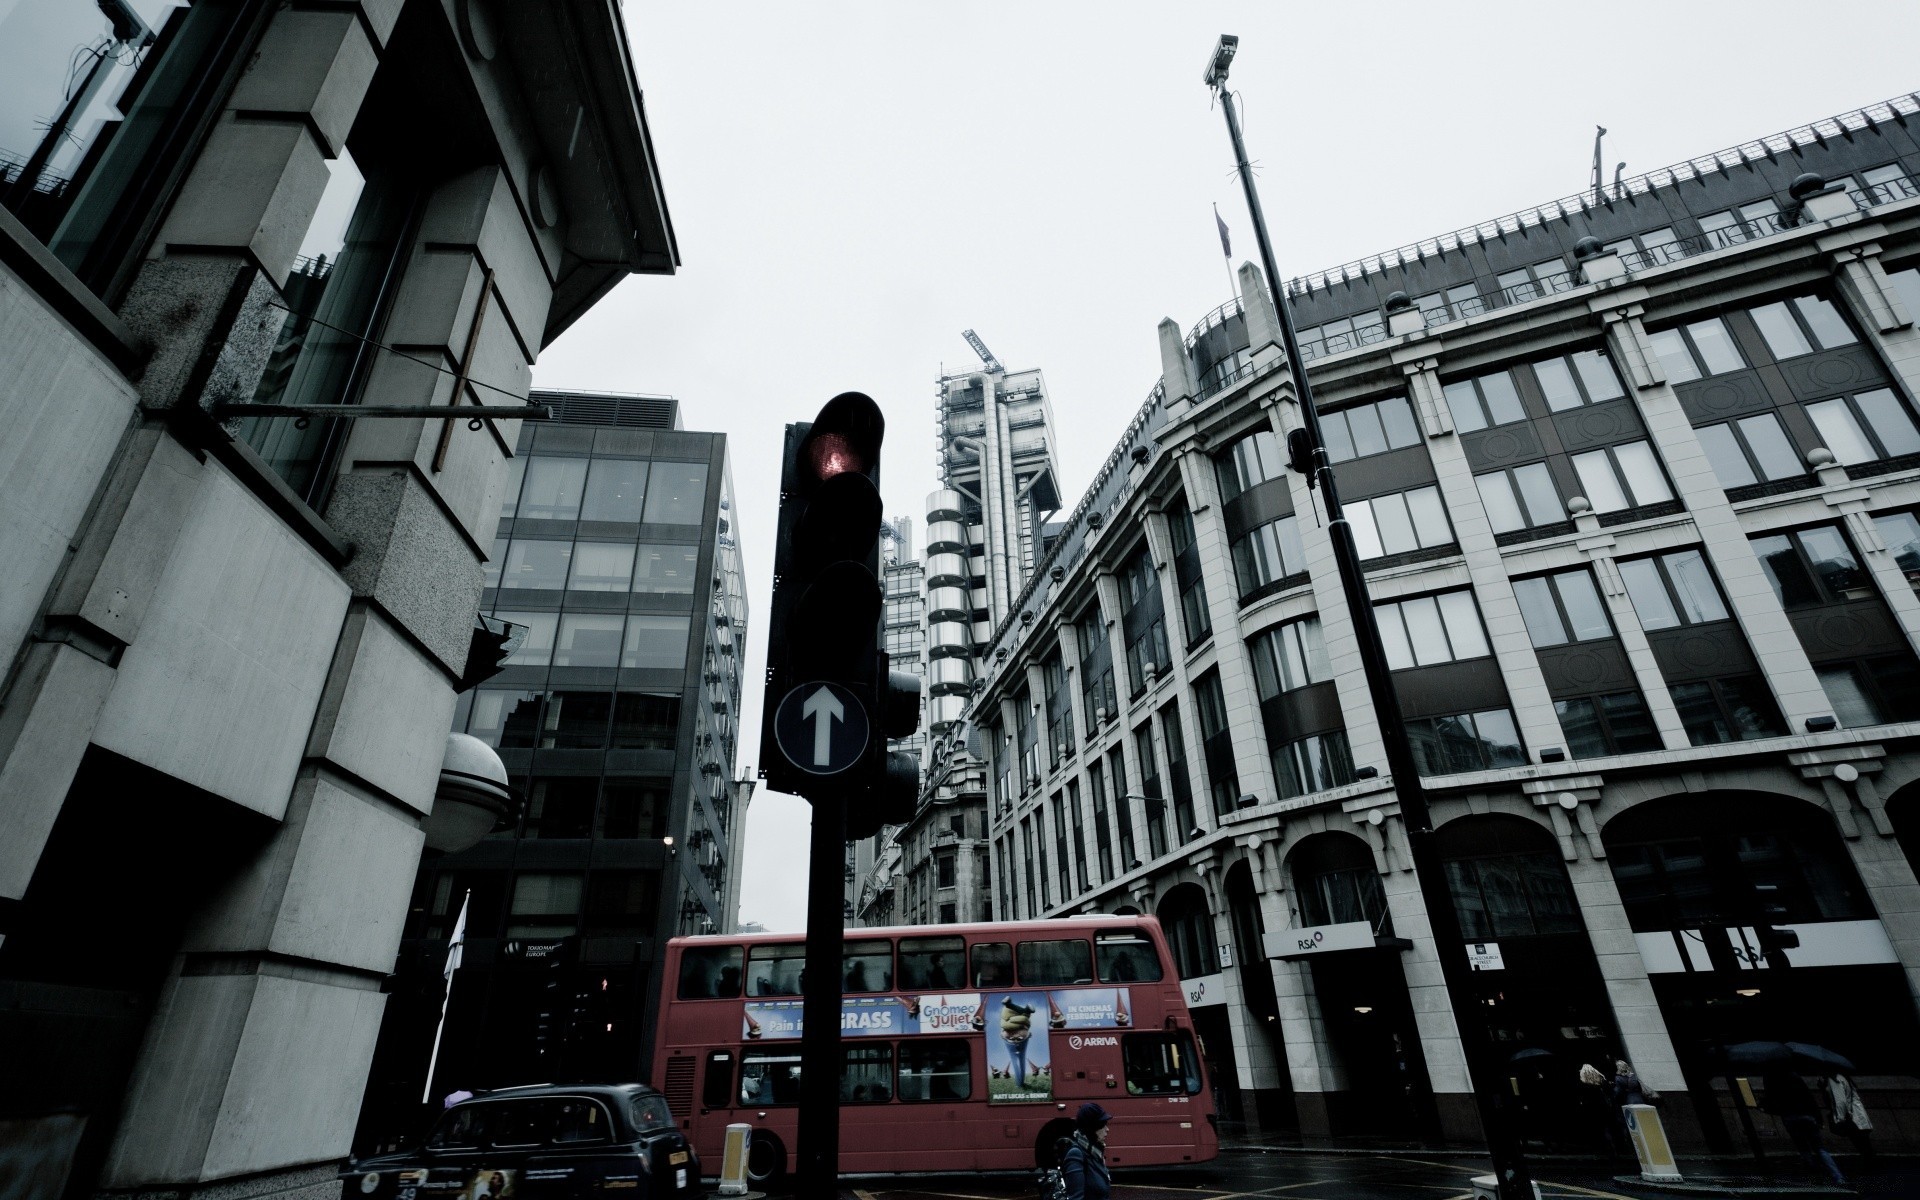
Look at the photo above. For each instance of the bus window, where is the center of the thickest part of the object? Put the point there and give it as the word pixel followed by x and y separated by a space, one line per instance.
pixel 769 1077
pixel 993 965
pixel 776 970
pixel 869 966
pixel 866 1077
pixel 1126 957
pixel 933 964
pixel 709 972
pixel 1160 1064
pixel 935 1069
pixel 1051 964
pixel 719 1084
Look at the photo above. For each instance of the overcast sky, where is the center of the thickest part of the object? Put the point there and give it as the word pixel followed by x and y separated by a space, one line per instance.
pixel 854 184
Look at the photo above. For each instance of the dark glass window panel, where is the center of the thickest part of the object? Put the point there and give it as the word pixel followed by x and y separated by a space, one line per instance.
pixel 561 808
pixel 934 964
pixel 676 493
pixel 1126 957
pixel 616 489
pixel 665 570
pixel 1629 723
pixel 1791 582
pixel 588 640
pixel 1833 560
pixel 1580 725
pixel 576 721
pixel 868 965
pixel 1160 1064
pixel 656 642
pixel 634 808
pixel 623 902
pixel 505 717
pixel 935 1069
pixel 537 564
pixel 992 963
pixel 545 905
pixel 866 1073
pixel 776 970
pixel 770 1077
pixel 552 489
pixel 1056 963
pixel 645 721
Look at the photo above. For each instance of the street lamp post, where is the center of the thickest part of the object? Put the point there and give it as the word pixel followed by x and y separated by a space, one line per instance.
pixel 1510 1170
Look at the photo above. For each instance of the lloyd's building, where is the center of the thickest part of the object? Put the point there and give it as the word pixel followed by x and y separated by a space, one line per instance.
pixel 1636 477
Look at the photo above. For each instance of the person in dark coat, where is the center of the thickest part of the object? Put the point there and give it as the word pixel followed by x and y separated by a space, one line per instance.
pixel 1787 1097
pixel 1084 1166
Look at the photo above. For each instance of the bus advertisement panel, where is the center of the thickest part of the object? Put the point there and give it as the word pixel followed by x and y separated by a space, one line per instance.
pixel 1060 1012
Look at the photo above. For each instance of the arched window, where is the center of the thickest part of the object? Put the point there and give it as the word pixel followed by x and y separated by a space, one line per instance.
pixel 1336 882
pixel 1507 878
pixel 1189 928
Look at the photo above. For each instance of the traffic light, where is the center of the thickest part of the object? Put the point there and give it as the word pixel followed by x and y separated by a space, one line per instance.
pixel 831 700
pixel 1775 940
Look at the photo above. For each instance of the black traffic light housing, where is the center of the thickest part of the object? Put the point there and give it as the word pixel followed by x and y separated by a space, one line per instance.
pixel 823 627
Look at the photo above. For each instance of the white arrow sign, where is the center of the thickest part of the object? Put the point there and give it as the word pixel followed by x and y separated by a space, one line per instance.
pixel 823 708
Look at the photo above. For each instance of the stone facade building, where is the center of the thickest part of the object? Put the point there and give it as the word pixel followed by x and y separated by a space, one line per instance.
pixel 234 642
pixel 1636 476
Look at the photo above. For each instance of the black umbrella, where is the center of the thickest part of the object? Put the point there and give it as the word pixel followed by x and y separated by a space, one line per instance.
pixel 1531 1052
pixel 1800 1055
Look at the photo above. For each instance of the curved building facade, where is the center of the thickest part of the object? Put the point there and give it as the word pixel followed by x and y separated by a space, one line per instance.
pixel 1641 526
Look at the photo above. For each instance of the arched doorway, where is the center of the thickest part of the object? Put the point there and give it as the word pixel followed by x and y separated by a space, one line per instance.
pixel 1903 810
pixel 1372 1041
pixel 1269 1107
pixel 1188 924
pixel 1545 1004
pixel 1755 926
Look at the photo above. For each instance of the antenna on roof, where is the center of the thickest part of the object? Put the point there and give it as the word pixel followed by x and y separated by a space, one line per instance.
pixel 980 348
pixel 1599 131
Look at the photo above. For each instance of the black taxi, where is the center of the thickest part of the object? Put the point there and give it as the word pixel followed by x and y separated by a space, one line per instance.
pixel 617 1141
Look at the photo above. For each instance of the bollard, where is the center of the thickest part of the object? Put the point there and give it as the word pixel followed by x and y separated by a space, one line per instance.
pixel 733 1161
pixel 1650 1142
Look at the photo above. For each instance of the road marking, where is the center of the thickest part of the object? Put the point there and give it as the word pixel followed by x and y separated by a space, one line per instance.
pixel 1283 1187
pixel 1585 1191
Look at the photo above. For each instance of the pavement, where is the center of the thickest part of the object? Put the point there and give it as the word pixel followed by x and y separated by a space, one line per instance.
pixel 1278 1173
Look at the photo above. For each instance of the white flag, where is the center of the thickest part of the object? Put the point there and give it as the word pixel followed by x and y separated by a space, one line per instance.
pixel 456 948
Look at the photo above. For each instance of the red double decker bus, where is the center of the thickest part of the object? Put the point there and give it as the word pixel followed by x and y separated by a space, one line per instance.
pixel 967 1047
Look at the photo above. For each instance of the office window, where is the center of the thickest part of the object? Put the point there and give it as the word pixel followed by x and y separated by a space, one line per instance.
pixel 676 494
pixel 1901 532
pixel 552 489
pixel 1223 780
pixel 1289 656
pixel 1742 224
pixel 1252 460
pixel 1122 805
pixel 1729 709
pixel 1530 283
pixel 504 717
pixel 545 905
pixel 1456 303
pixel 1102 825
pixel 1079 836
pixel 1863 427
pixel 1399 522
pixel 588 640
pixel 1175 739
pixel 1586 377
pixel 1697 349
pixel 665 570
pixel 1887 184
pixel 628 903
pixel 538 565
pixel 1616 723
pixel 656 641
pixel 1268 554
pixel 1562 608
pixel 1465 742
pixel 561 808
pixel 1312 764
pixel 1801 326
pixel 1627 475
pixel 1369 429
pixel 1512 895
pixel 1194 615
pixel 601 567
pixel 1671 590
pixel 1812 566
pixel 536 648
pixel 1153 797
pixel 1750 450
pixel 1431 629
pixel 615 491
pixel 1483 401
pixel 510 495
pixel 1520 497
pixel 645 721
pixel 575 720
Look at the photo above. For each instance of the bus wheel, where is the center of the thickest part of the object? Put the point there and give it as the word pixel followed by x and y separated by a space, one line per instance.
pixel 1043 1155
pixel 766 1158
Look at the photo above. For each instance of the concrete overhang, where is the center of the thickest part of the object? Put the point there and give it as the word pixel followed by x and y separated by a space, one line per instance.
pixel 573 61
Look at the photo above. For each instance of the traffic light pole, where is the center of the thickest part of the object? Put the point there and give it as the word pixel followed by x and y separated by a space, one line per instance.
pixel 819 1150
pixel 1510 1170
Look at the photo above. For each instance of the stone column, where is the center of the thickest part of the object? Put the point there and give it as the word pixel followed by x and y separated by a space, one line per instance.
pixel 1723 541
pixel 1250 761
pixel 1493 592
pixel 1848 779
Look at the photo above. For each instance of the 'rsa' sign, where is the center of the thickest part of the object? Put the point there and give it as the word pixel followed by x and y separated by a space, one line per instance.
pixel 1320 939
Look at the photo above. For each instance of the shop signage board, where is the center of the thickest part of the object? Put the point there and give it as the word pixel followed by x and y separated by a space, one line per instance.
pixel 1485 956
pixel 1320 939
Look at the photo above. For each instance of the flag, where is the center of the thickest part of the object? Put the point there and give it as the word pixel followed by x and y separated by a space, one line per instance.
pixel 1226 243
pixel 456 950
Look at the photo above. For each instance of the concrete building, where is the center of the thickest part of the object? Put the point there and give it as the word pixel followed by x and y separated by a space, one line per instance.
pixel 617 719
pixel 234 645
pixel 1636 477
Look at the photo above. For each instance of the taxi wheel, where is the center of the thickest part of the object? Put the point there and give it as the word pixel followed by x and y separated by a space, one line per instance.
pixel 766 1158
pixel 1050 1133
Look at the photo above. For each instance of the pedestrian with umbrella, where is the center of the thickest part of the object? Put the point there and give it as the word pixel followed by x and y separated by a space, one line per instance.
pixel 1788 1098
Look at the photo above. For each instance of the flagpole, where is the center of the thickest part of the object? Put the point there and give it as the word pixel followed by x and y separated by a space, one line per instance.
pixel 455 951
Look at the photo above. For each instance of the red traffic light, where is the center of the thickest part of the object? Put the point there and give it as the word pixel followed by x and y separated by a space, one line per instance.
pixel 845 438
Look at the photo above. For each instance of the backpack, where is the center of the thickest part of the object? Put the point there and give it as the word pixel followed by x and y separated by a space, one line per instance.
pixel 1053 1180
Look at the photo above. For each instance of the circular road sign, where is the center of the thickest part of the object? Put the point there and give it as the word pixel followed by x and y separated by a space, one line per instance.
pixel 821 728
